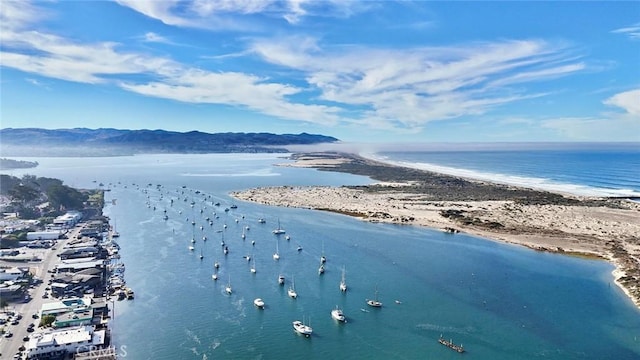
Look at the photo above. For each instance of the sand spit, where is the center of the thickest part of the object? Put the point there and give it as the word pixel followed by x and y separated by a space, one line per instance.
pixel 608 228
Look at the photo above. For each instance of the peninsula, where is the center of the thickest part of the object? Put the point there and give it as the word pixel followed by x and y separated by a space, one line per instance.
pixel 599 227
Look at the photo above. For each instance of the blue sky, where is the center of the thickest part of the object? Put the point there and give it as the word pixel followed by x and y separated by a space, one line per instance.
pixel 362 71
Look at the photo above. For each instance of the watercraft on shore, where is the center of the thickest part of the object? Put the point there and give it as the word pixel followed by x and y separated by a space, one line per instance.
pixel 302 329
pixel 338 315
pixel 451 345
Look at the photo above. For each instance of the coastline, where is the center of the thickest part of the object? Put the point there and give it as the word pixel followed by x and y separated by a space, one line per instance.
pixel 594 227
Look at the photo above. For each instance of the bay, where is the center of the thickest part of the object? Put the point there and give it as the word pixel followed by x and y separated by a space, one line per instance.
pixel 499 301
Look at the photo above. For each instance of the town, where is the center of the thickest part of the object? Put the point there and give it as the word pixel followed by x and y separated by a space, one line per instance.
pixel 59 279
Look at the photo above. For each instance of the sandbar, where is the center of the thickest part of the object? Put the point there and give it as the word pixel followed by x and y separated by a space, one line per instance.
pixel 595 227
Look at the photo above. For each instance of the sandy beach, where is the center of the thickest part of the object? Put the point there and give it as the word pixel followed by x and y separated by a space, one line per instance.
pixel 607 228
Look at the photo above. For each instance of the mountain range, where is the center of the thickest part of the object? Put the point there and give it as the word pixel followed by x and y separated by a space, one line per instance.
pixel 108 142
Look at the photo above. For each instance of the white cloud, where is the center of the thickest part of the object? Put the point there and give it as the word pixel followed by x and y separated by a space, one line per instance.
pixel 629 101
pixel 400 89
pixel 633 31
pixel 235 89
pixel 409 88
pixel 606 127
pixel 226 14
pixel 155 38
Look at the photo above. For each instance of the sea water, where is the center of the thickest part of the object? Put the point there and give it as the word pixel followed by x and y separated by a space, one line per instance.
pixel 499 301
pixel 592 169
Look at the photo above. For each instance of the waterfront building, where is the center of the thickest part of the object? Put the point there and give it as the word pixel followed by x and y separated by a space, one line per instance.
pixel 65 341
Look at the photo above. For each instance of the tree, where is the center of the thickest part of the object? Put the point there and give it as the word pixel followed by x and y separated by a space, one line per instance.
pixel 66 197
pixel 23 194
pixel 47 320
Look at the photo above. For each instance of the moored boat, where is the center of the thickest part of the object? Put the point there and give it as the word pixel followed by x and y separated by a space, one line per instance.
pixel 302 329
pixel 343 281
pixel 374 302
pixel 259 303
pixel 292 290
pixel 338 315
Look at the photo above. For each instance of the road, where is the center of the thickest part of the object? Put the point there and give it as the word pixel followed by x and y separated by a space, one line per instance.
pixel 10 346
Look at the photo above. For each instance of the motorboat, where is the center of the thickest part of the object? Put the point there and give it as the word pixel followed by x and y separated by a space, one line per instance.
pixel 338 315
pixel 259 303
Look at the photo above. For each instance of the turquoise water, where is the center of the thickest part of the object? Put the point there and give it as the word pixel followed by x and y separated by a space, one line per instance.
pixel 499 301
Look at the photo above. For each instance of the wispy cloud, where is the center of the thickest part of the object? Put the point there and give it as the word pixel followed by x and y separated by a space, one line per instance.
pixel 228 14
pixel 105 63
pixel 384 88
pixel 409 88
pixel 633 31
pixel 156 38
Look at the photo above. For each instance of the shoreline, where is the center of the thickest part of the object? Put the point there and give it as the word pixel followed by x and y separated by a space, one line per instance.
pixel 593 227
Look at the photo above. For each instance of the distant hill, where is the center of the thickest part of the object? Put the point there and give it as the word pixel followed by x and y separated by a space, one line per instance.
pixel 108 142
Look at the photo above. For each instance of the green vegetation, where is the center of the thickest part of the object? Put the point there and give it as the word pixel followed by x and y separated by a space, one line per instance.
pixel 47 320
pixel 64 197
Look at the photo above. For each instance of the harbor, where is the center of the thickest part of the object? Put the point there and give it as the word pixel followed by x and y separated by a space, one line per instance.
pixel 430 282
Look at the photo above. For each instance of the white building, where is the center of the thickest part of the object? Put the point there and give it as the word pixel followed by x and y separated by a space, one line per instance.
pixel 70 219
pixel 66 341
pixel 44 235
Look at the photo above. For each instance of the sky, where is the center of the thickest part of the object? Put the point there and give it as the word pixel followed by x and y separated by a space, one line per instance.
pixel 372 71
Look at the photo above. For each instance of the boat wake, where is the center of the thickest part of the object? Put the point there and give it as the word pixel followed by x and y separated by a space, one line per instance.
pixel 445 329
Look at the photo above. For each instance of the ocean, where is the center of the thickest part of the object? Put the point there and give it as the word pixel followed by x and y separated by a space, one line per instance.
pixel 499 301
pixel 581 169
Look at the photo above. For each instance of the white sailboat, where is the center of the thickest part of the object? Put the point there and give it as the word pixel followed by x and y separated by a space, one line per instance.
pixel 201 255
pixel 343 282
pixel 227 288
pixel 321 269
pixel 276 255
pixel 253 266
pixel 278 230
pixel 302 329
pixel 292 289
pixel 374 302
